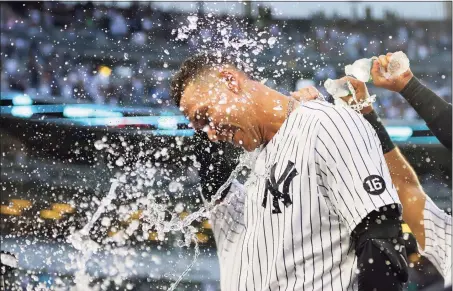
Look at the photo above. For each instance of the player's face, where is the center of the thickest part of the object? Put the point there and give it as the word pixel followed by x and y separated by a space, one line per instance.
pixel 223 112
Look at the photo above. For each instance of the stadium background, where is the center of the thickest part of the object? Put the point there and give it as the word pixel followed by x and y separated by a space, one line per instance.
pixel 73 74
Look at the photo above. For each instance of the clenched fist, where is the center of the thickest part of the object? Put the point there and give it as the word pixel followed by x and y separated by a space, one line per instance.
pixel 361 93
pixel 394 83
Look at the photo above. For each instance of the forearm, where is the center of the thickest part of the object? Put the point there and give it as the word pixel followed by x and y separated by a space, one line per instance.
pixel 409 191
pixel 436 112
pixel 405 180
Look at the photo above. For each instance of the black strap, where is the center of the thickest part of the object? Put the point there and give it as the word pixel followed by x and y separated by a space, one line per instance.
pixel 384 138
pixel 380 223
pixel 382 265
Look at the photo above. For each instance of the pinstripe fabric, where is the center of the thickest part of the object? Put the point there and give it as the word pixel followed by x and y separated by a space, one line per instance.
pixel 321 155
pixel 438 239
pixel 228 228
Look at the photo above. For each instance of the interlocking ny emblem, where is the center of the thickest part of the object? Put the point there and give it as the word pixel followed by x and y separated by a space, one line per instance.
pixel 272 186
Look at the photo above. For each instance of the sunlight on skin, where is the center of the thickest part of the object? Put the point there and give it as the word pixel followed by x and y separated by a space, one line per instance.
pixel 229 106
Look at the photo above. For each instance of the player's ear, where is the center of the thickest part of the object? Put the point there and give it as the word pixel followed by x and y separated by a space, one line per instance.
pixel 231 79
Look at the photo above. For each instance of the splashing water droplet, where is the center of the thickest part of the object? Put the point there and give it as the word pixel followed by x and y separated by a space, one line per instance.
pixel 271 41
pixel 120 162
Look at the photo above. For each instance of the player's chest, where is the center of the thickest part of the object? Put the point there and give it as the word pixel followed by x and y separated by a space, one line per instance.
pixel 277 182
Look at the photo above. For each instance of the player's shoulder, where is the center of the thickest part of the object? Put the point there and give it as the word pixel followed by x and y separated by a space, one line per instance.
pixel 319 107
pixel 323 110
pixel 330 114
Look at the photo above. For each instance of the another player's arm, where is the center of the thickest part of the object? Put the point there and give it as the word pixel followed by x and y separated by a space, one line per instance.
pixel 435 111
pixel 410 192
pixel 373 217
pixel 430 225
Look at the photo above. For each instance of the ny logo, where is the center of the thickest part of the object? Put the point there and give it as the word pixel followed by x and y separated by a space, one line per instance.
pixel 272 186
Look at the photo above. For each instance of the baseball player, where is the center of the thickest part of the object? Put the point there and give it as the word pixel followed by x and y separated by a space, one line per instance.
pixel 317 193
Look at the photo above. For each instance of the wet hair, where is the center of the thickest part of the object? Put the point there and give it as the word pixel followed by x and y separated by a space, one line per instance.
pixel 192 67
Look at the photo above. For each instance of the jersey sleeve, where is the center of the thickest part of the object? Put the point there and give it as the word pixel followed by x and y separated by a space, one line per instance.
pixel 437 226
pixel 354 176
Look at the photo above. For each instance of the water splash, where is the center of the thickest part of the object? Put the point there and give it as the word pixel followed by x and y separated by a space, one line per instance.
pixel 104 203
pixel 132 186
pixel 153 216
pixel 194 260
pixel 184 225
pixel 82 242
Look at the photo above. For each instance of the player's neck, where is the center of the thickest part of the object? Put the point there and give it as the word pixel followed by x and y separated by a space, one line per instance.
pixel 274 108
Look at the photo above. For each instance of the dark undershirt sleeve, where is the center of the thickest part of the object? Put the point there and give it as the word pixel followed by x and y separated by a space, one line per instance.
pixel 436 112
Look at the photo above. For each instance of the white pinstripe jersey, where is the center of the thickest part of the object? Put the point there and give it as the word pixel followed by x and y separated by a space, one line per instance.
pixel 229 231
pixel 319 176
pixel 437 226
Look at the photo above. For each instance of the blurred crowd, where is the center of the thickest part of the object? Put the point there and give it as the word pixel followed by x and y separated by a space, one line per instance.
pixel 39 55
pixel 32 63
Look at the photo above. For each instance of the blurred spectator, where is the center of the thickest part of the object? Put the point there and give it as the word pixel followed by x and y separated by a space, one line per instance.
pixel 11 66
pixel 324 73
pixel 139 38
pixel 423 51
pixel 147 24
pixel 138 90
pixel 117 24
pixel 44 88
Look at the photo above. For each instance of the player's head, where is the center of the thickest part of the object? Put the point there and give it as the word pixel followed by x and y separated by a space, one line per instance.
pixel 220 99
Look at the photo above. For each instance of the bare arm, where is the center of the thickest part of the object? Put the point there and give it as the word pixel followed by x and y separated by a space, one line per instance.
pixel 410 193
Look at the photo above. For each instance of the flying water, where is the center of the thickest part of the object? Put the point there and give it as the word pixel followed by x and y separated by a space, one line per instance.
pixel 153 216
pixel 135 186
pixel 82 242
